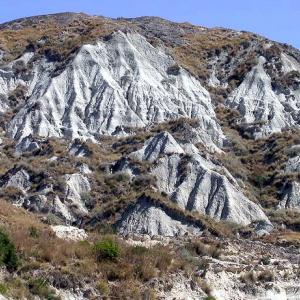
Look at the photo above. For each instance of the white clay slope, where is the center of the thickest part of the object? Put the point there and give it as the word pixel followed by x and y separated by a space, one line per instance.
pixel 197 184
pixel 291 197
pixel 257 102
pixel 122 82
pixel 147 218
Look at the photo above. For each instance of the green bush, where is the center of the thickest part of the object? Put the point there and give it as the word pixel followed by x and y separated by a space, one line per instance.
pixel 39 287
pixel 103 287
pixel 8 256
pixel 33 232
pixel 3 289
pixel 107 248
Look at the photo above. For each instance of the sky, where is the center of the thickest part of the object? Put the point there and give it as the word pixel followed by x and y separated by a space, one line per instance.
pixel 276 19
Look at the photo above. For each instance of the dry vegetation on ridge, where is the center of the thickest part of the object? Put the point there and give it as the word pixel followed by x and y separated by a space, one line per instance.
pixel 111 267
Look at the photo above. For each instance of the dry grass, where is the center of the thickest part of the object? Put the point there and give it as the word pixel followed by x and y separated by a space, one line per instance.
pixel 193 54
pixel 41 253
pixel 59 40
pixel 258 163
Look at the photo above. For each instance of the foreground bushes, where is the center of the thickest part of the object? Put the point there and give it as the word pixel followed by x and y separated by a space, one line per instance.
pixel 8 256
pixel 107 248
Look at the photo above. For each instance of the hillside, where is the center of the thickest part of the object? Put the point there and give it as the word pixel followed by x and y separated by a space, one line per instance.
pixel 125 138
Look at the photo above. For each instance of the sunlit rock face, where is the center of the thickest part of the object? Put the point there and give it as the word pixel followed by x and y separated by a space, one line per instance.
pixel 195 183
pixel 110 86
pixel 260 101
pixel 145 217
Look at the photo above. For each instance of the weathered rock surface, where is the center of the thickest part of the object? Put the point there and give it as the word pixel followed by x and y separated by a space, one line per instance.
pixel 79 149
pixel 293 165
pixel 161 144
pixel 28 144
pixel 197 184
pixel 291 196
pixel 17 178
pixel 77 187
pixel 69 233
pixel 84 168
pixel 146 218
pixel 258 101
pixel 193 185
pixel 122 82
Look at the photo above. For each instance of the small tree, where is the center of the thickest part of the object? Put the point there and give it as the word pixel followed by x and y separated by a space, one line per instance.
pixel 8 256
pixel 107 248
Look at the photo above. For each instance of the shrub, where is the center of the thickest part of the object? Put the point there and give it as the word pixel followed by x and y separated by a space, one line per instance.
pixel 8 256
pixel 265 276
pixel 33 232
pixel 39 287
pixel 146 271
pixel 202 249
pixel 103 288
pixel 3 289
pixel 265 260
pixel 107 248
pixel 248 277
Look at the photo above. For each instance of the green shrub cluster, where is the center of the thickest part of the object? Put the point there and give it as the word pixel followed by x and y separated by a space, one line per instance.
pixel 40 287
pixel 107 248
pixel 8 256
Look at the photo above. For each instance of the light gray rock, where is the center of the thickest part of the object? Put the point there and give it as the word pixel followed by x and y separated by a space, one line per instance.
pixel 290 196
pixel 70 233
pixel 161 144
pixel 193 184
pixel 84 168
pixel 197 184
pixel 292 165
pixel 125 166
pixel 18 178
pixel 256 101
pixel 79 149
pixel 76 189
pixel 27 144
pixel 146 218
pixel 122 82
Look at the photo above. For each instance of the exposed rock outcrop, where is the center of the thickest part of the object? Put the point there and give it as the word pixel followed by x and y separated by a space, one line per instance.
pixel 28 144
pixel 79 149
pixel 290 196
pixel 192 183
pixel 161 144
pixel 259 103
pixel 69 233
pixel 77 188
pixel 293 165
pixel 122 82
pixel 145 217
pixel 17 178
pixel 197 184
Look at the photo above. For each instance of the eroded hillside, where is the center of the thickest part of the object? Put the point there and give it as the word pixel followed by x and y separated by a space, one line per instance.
pixel 125 138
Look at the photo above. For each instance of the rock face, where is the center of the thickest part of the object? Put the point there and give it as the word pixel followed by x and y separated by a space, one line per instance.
pixel 79 149
pixel 193 185
pixel 293 165
pixel 69 207
pixel 17 178
pixel 77 187
pixel 258 101
pixel 28 144
pixel 69 233
pixel 161 144
pixel 146 218
pixel 291 197
pixel 122 82
pixel 197 184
